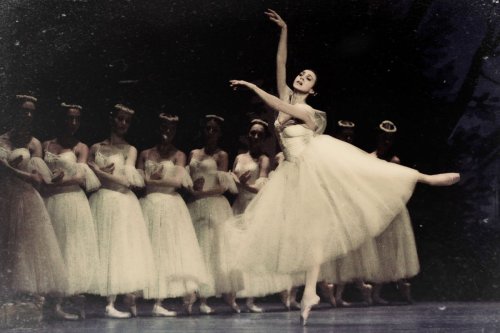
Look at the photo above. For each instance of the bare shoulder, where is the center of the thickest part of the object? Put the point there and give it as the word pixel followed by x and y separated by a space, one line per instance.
pixel 81 147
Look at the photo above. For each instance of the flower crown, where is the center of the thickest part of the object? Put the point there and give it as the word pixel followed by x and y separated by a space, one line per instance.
pixel 213 116
pixel 168 117
pixel 27 98
pixel 121 107
pixel 346 123
pixel 259 121
pixel 388 126
pixel 71 106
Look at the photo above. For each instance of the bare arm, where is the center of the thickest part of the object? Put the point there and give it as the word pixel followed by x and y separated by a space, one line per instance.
pixel 299 111
pixel 281 55
pixel 170 181
pixel 106 174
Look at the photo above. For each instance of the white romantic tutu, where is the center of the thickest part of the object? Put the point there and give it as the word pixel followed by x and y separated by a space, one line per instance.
pixel 324 201
pixel 255 284
pixel 179 263
pixel 397 251
pixel 30 257
pixel 126 258
pixel 209 215
pixel 73 224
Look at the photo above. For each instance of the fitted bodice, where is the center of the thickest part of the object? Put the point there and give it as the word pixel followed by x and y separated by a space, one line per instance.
pixel 105 158
pixel 65 161
pixel 206 168
pixel 292 139
pixel 249 165
pixel 169 170
pixel 11 155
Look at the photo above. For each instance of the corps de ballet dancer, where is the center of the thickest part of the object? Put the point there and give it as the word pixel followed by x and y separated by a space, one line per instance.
pixel 180 269
pixel 126 263
pixel 69 208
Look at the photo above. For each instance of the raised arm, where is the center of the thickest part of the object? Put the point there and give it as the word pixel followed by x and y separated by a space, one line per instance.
pixel 281 55
pixel 299 111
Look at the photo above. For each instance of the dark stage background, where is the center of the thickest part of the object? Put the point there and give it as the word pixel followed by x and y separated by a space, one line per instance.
pixel 430 66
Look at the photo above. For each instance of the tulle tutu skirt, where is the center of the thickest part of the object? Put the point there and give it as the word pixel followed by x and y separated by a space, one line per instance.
pixel 179 262
pixel 209 216
pixel 319 206
pixel 74 227
pixel 126 258
pixel 30 257
pixel 397 251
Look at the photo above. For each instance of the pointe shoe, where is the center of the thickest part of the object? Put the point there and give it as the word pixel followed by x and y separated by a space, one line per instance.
pixel 111 312
pixel 341 303
pixel 159 311
pixel 306 306
pixel 366 292
pixel 60 314
pixel 235 307
pixel 254 308
pixel 443 179
pixel 205 309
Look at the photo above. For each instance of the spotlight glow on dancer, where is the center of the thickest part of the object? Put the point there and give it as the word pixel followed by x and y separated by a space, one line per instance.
pixel 326 198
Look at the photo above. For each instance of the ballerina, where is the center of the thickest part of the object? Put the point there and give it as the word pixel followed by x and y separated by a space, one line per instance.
pixel 30 256
pixel 321 178
pixel 126 258
pixel 396 245
pixel 179 262
pixel 251 170
pixel 69 208
pixel 209 210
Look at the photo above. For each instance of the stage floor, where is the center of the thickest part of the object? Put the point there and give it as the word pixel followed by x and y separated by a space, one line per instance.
pixel 420 317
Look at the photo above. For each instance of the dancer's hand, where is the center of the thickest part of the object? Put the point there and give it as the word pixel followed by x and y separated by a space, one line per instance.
pixel 240 83
pixel 35 178
pixel 273 16
pixel 158 174
pixel 245 177
pixel 198 184
pixel 109 168
pixel 58 176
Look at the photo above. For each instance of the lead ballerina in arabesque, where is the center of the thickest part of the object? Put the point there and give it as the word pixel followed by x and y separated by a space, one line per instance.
pixel 326 199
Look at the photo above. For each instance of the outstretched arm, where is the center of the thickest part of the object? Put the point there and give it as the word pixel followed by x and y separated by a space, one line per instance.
pixel 299 111
pixel 281 55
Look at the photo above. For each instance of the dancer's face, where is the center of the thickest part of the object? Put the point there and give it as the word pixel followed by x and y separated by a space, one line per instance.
pixel 72 121
pixel 257 134
pixel 212 130
pixel 346 134
pixel 168 129
pixel 24 117
pixel 386 140
pixel 120 122
pixel 305 81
